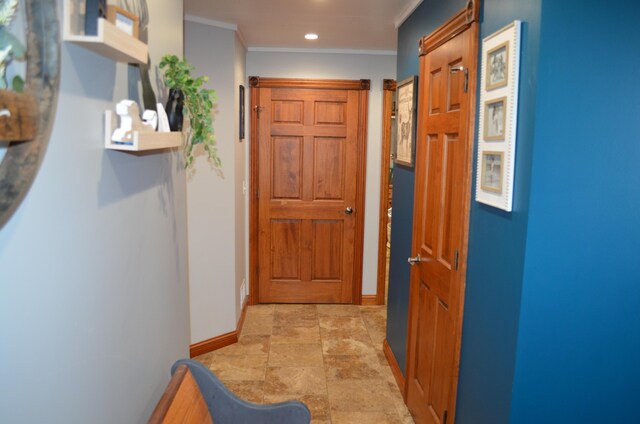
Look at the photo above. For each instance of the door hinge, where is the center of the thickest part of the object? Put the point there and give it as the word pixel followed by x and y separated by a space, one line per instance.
pixel 258 109
pixel 456 257
pixel 445 416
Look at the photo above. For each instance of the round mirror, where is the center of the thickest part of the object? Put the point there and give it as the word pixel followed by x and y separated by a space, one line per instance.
pixel 27 104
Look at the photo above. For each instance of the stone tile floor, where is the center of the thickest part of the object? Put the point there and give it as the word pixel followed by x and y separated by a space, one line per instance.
pixel 327 356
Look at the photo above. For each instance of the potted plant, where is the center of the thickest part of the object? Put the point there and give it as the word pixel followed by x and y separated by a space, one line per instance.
pixel 198 102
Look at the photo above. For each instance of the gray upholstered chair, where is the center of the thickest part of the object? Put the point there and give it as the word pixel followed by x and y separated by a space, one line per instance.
pixel 227 408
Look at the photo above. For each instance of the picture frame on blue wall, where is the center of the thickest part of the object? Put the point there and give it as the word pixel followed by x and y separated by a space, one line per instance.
pixel 495 114
pixel 406 101
pixel 498 66
pixel 495 163
pixel 491 171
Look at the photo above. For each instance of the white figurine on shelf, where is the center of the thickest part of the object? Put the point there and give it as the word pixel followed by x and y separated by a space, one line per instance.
pixel 163 120
pixel 130 121
pixel 150 118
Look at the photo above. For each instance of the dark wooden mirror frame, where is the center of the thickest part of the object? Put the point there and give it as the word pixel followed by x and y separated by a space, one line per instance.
pixel 22 160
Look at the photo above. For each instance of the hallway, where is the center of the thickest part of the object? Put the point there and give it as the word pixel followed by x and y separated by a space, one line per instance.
pixel 328 356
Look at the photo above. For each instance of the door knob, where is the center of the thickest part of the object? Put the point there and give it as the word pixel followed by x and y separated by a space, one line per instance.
pixel 348 211
pixel 414 261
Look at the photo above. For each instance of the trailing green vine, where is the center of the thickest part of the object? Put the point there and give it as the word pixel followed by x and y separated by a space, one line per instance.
pixel 198 102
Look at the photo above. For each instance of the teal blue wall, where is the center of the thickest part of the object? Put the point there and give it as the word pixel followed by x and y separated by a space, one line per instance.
pixel 550 332
pixel 579 340
pixel 497 248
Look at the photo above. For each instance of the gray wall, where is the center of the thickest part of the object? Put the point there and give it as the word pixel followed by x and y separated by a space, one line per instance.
pixel 216 206
pixel 93 287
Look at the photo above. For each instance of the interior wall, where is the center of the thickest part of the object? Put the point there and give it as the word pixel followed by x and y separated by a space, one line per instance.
pixel 497 241
pixel 241 147
pixel 215 210
pixel 93 289
pixel 580 316
pixel 343 66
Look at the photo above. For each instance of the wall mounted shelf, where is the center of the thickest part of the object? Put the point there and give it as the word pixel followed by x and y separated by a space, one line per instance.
pixel 142 141
pixel 110 41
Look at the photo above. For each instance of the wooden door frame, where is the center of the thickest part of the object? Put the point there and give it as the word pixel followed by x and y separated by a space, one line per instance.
pixel 388 88
pixel 255 84
pixel 466 19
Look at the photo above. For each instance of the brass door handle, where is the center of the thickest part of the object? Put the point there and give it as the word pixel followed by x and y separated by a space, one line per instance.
pixel 348 211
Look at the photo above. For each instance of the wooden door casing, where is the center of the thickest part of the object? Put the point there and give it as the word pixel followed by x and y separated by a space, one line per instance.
pixel 304 247
pixel 441 216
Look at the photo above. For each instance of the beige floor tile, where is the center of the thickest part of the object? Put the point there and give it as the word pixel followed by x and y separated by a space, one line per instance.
pixel 295 318
pixel 295 381
pixel 344 346
pixel 205 359
pixel 317 404
pixel 257 325
pixel 338 310
pixel 251 391
pixel 381 357
pixel 360 396
pixel 343 327
pixel 356 367
pixel 247 367
pixel 347 417
pixel 296 309
pixel 341 324
pixel 398 400
pixel 407 418
pixel 247 345
pixel 295 355
pixel 260 310
pixel 287 334
pixel 328 356
pixel 376 325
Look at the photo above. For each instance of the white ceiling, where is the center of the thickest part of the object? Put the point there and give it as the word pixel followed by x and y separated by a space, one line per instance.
pixel 341 24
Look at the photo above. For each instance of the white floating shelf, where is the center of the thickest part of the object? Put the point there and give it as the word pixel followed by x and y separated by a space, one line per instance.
pixel 110 41
pixel 142 141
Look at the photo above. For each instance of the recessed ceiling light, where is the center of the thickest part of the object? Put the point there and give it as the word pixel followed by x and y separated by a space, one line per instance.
pixel 311 36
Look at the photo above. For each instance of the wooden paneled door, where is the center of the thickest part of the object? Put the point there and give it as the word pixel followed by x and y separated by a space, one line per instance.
pixel 441 215
pixel 310 167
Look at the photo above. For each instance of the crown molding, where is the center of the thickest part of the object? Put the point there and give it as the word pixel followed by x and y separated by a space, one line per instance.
pixel 325 51
pixel 210 22
pixel 402 16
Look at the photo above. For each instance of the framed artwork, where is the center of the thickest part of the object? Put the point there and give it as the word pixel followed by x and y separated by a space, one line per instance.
pixel 494 119
pixel 495 164
pixel 241 103
pixel 497 60
pixel 491 174
pixel 124 20
pixel 406 101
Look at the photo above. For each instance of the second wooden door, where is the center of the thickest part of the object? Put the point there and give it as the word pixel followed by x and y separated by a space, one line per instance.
pixel 308 148
pixel 441 214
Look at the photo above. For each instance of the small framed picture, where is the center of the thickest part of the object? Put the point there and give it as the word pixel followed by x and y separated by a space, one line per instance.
pixel 241 111
pixel 407 97
pixel 495 113
pixel 492 171
pixel 498 66
pixel 123 20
